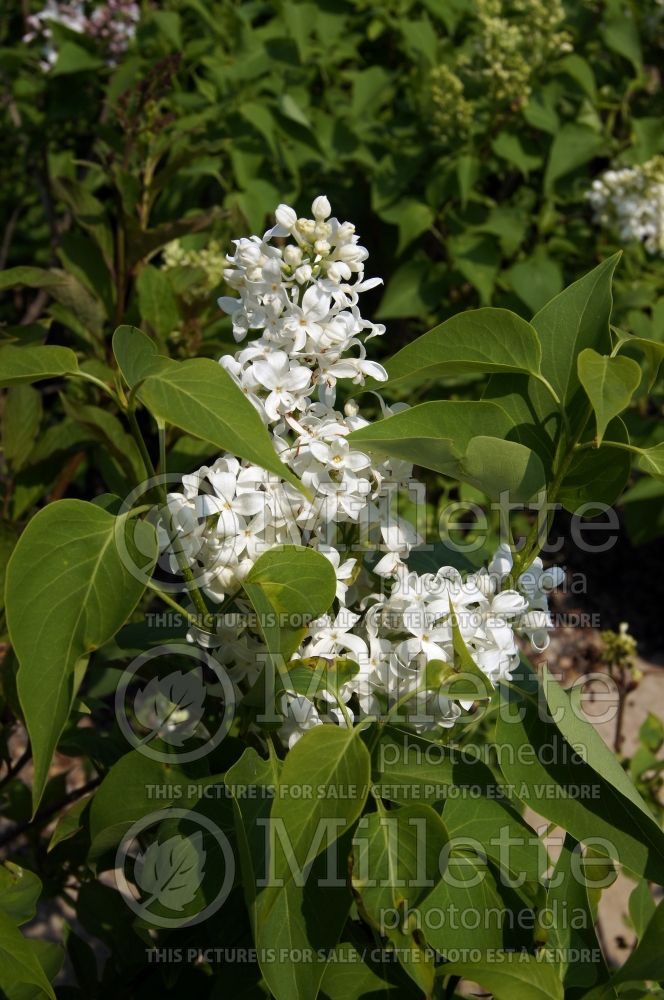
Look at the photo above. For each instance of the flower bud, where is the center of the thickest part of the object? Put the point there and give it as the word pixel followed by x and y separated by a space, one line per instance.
pixel 321 208
pixel 292 256
pixel 286 216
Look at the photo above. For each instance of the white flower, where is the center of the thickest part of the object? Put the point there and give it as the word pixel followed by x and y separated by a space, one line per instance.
pixel 230 506
pixel 342 570
pixel 336 454
pixel 331 637
pixel 302 298
pixel 179 528
pixel 300 715
pixel 427 638
pixel 304 321
pixel 630 201
pixel 287 383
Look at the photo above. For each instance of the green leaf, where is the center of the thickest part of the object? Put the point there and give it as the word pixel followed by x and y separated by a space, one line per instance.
pixel 396 863
pixel 576 759
pixel 18 961
pixel 575 936
pixel 70 822
pixel 468 172
pixel 73 58
pixel 434 435
pixel 304 914
pixel 31 364
pixel 21 419
pixel 413 288
pixel 357 977
pixel 580 70
pixel 465 667
pixel 459 439
pixel 597 475
pixel 144 242
pixel 8 538
pixel 468 887
pixel 251 783
pixel 420 38
pixel 317 674
pixel 620 33
pixel 512 976
pixel 69 589
pixel 609 384
pixel 288 587
pixel 572 146
pixel 333 765
pixel 136 354
pixel 575 319
pixel 471 343
pixel 64 288
pixel 19 891
pixel 532 410
pixel 89 212
pixel 124 797
pixel 107 429
pixel 289 107
pixel 536 279
pixel 411 768
pixel 478 258
pixel 652 350
pixel 493 828
pixel 641 907
pixel 651 460
pixel 156 301
pixel 515 150
pixel 496 466
pixel 199 397
pixel 647 959
pixel 412 219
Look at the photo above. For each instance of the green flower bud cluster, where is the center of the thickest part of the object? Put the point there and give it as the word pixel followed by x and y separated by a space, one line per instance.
pixel 209 259
pixel 452 112
pixel 509 44
pixel 618 648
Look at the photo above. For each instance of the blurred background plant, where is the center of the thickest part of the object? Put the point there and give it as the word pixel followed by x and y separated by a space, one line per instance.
pixel 472 140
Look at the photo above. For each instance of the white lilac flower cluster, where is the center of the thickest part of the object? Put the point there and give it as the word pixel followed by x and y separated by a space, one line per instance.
pixel 299 287
pixel 630 202
pixel 112 23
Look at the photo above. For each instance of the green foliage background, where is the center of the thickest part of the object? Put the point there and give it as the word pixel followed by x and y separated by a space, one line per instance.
pixel 461 137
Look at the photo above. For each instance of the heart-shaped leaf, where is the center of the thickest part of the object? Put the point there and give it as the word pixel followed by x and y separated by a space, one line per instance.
pixel 609 384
